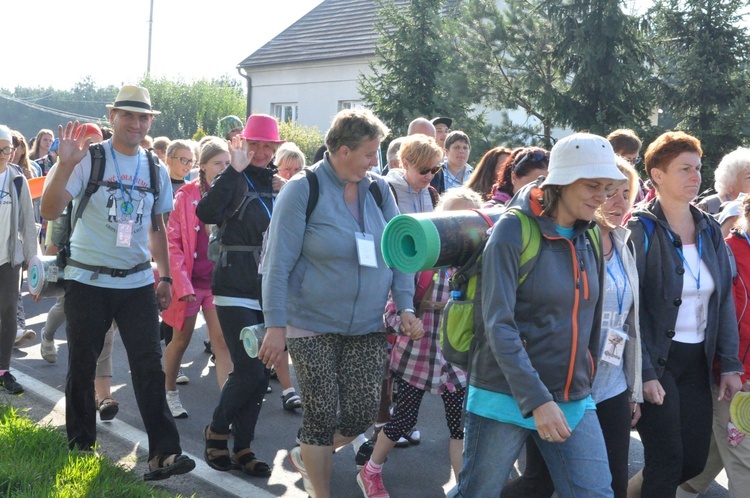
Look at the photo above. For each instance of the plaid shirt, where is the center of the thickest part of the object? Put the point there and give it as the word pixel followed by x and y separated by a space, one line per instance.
pixel 458 180
pixel 421 363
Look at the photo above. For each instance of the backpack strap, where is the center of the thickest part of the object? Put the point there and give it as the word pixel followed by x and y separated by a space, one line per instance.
pixel 18 182
pixel 153 169
pixel 434 196
pixel 531 241
pixel 393 189
pixel 95 179
pixel 312 199
pixel 648 231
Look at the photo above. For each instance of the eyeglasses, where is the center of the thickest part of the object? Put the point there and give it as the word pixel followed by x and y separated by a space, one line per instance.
pixel 184 160
pixel 633 160
pixel 7 150
pixel 434 170
pixel 536 156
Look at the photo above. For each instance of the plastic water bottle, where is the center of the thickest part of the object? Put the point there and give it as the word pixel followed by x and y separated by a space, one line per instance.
pixel 252 338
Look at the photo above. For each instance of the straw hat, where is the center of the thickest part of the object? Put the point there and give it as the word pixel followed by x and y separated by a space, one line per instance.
pixel 582 155
pixel 262 128
pixel 134 99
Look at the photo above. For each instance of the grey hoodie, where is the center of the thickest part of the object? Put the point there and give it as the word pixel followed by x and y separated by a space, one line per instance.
pixel 312 277
pixel 409 200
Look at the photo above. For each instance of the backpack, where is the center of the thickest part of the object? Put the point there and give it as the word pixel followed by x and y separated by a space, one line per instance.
pixel 62 228
pixel 462 316
pixel 312 200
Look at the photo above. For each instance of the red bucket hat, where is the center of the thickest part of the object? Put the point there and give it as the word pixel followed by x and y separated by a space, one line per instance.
pixel 262 128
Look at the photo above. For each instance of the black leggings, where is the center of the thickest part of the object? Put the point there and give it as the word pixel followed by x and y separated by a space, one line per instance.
pixel 614 417
pixel 408 402
pixel 676 435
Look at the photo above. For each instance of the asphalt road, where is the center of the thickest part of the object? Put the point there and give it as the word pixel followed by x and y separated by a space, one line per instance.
pixel 418 471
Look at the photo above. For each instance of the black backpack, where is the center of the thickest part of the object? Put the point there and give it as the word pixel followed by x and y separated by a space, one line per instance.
pixel 63 226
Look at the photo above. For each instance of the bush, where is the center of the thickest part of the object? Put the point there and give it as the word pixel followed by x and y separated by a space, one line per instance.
pixel 308 138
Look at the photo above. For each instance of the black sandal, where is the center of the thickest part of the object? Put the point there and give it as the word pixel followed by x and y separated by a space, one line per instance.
pixel 216 453
pixel 165 466
pixel 246 461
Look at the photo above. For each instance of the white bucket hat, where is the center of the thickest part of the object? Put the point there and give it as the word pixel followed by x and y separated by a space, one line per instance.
pixel 5 134
pixel 134 99
pixel 582 155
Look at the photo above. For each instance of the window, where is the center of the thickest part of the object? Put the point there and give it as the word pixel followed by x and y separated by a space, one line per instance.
pixel 285 111
pixel 351 104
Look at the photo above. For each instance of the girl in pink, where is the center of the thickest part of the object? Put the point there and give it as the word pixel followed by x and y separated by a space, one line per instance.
pixel 191 271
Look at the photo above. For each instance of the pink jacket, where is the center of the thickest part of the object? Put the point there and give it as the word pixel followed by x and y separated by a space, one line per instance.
pixel 182 234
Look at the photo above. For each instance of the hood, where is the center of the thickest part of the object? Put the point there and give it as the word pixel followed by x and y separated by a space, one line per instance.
pixel 528 200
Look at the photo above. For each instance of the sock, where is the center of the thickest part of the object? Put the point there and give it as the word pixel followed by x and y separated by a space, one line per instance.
pixel 172 393
pixel 287 391
pixel 372 468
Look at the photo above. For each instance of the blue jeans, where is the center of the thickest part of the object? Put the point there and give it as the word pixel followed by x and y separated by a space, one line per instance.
pixel 579 466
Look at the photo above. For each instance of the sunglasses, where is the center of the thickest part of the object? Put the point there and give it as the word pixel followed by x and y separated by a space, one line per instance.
pixel 536 156
pixel 633 160
pixel 434 170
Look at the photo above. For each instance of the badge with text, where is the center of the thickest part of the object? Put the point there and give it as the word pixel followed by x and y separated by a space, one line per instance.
pixel 124 233
pixel 366 250
pixel 700 315
pixel 614 346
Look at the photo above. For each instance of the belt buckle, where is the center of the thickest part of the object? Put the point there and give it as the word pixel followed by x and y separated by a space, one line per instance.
pixel 119 273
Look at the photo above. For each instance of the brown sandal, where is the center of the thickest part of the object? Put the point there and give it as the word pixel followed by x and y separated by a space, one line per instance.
pixel 108 408
pixel 216 453
pixel 165 466
pixel 246 461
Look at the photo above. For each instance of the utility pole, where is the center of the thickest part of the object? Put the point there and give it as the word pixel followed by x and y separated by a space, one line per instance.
pixel 150 29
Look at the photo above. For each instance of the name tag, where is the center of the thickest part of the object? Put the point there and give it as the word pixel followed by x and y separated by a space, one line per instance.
pixel 366 250
pixel 124 233
pixel 614 346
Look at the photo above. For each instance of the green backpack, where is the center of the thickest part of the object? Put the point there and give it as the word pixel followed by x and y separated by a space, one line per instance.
pixel 462 315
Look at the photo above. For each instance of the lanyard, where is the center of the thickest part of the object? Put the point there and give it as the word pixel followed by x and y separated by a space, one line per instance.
pixel 700 257
pixel 414 203
pixel 620 296
pixel 126 207
pixel 259 198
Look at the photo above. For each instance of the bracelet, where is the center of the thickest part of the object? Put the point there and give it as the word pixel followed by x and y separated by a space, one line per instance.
pixel 410 310
pixel 166 279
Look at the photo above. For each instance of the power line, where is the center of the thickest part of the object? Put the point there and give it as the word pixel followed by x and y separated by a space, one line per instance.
pixel 50 110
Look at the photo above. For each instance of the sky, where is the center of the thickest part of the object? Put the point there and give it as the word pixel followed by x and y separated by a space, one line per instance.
pixel 59 42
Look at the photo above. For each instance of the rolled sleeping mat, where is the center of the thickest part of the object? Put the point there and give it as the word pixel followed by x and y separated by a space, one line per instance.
pixel 739 410
pixel 45 278
pixel 423 241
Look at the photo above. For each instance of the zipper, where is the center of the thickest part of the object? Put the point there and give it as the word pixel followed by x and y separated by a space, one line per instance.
pixel 574 321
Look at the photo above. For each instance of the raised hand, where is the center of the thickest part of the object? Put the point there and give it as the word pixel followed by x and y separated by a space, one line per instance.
pixel 71 149
pixel 239 153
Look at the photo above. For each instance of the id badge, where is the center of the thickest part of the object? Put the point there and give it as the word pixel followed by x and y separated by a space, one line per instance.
pixel 124 233
pixel 700 315
pixel 366 250
pixel 614 347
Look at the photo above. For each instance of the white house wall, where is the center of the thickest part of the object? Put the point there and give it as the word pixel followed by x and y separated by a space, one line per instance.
pixel 316 88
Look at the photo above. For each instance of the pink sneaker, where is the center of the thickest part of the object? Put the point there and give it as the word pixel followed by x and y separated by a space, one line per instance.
pixel 372 484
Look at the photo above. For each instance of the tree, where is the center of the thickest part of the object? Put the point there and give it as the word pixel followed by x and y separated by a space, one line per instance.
pixel 603 54
pixel 190 107
pixel 307 138
pixel 581 64
pixel 703 72
pixel 414 70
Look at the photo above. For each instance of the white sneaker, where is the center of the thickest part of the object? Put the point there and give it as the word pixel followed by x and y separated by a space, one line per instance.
pixel 24 337
pixel 175 405
pixel 295 456
pixel 181 377
pixel 49 349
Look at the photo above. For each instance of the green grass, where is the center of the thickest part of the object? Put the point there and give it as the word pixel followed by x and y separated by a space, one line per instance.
pixel 35 462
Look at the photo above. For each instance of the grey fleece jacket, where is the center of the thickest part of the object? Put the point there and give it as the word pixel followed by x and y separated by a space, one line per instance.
pixel 312 277
pixel 22 244
pixel 661 270
pixel 540 338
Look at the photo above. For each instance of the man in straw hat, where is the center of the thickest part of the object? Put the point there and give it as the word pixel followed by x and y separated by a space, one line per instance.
pixel 109 277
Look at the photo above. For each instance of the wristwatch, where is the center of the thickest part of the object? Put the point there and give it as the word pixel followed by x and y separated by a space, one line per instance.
pixel 409 310
pixel 166 279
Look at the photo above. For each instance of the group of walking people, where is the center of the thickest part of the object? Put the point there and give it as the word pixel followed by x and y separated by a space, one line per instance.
pixel 625 317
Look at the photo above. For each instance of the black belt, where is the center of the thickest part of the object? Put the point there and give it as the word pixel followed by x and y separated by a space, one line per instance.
pixel 112 272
